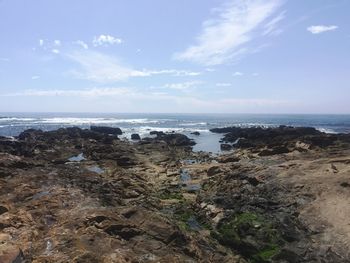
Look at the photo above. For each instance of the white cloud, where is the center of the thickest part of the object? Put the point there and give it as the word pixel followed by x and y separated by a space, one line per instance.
pixel 82 44
pixel 57 43
pixel 41 42
pixel 271 27
pixel 172 72
pixel 223 84
pixel 105 40
pixel 35 77
pixel 225 37
pixel 183 85
pixel 255 74
pixel 238 74
pixel 98 67
pixel 55 51
pixel 321 29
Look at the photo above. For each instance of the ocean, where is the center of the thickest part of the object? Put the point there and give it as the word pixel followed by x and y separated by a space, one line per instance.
pixel 12 124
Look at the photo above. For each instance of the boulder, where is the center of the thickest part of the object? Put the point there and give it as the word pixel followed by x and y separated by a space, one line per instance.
pixel 135 136
pixel 196 133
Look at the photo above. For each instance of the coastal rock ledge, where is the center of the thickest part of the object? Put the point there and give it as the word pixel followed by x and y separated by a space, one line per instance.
pixel 84 195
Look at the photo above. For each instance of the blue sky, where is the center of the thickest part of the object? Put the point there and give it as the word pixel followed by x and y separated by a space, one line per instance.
pixel 199 56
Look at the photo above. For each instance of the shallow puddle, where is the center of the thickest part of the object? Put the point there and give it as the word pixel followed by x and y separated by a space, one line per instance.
pixel 95 169
pixel 193 224
pixel 78 158
pixel 186 181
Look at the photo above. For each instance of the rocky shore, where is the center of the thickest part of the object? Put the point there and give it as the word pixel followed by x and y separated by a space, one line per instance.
pixel 72 195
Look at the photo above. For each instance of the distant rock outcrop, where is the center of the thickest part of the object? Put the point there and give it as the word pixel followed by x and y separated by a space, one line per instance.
pixel 107 130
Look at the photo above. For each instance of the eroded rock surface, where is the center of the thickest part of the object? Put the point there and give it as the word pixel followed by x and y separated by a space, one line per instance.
pixel 157 201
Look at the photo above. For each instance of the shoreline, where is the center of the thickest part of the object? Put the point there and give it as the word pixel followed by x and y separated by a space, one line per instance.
pixel 280 196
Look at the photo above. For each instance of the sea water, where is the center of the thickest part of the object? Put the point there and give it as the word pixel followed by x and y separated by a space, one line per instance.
pixel 12 124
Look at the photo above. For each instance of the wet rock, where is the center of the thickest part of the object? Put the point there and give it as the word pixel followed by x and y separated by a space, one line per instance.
pixel 158 133
pixel 226 147
pixel 135 136
pixel 175 139
pixel 196 133
pixel 277 139
pixel 106 130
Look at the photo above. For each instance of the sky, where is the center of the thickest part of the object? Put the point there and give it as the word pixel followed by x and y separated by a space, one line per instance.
pixel 175 56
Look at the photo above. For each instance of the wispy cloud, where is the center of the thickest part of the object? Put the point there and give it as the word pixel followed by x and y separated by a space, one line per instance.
pixel 225 37
pixel 41 42
pixel 183 85
pixel 238 74
pixel 55 51
pixel 35 77
pixel 82 44
pixel 271 28
pixel 321 29
pixel 102 40
pixel 5 59
pixel 223 84
pixel 99 67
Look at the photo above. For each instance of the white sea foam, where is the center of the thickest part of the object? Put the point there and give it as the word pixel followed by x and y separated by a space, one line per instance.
pixel 81 121
pixel 194 124
pixel 326 130
pixel 9 119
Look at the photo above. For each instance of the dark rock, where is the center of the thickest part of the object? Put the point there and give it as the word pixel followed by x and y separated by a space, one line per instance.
pixel 135 136
pixel 106 130
pixel 345 184
pixel 226 147
pixel 158 133
pixel 175 139
pixel 3 209
pixel 214 170
pixel 228 159
pixel 196 133
pixel 275 150
pixel 287 255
